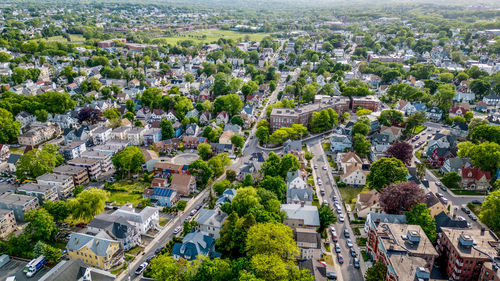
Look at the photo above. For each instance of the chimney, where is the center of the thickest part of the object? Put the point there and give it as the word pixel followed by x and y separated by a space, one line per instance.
pixel 302 203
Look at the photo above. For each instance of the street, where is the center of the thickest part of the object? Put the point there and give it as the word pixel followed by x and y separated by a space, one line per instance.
pixel 347 270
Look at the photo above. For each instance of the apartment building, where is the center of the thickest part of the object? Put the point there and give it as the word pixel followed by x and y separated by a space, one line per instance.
pixel 103 157
pixel 73 150
pixel 99 251
pixel 18 203
pixel 136 135
pixel 43 192
pixel 63 183
pixel 285 117
pixel 467 251
pixel 369 102
pixel 165 169
pixel 120 133
pixel 7 223
pixel 79 174
pixel 405 249
pixel 142 219
pixel 101 135
pixel 38 133
pixel 93 166
pixel 490 272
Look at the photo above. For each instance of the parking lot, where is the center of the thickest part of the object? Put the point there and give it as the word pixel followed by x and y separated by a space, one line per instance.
pixel 15 268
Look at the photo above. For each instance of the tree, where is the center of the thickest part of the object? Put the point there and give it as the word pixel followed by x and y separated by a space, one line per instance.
pixel 220 186
pixel 218 163
pixel 237 120
pixel 41 225
pixel 151 97
pixel 201 171
pixel 377 272
pixel 360 127
pixel 421 215
pixel 249 88
pixel 445 77
pixel 402 151
pixel 204 150
pixel 88 114
pixel 245 199
pixel 484 133
pixel 490 210
pixel 468 116
pixel 262 134
pixel 230 103
pixel 272 165
pixel 485 156
pixel 247 180
pixel 415 120
pixel 326 217
pixel 231 175
pixel 476 122
pixel 421 169
pixel 271 238
pixel 57 209
pixel 112 113
pixel 401 197
pixel 361 145
pixel 363 112
pixel 128 161
pixel 232 240
pixel 238 141
pixel 269 267
pixel 51 253
pixel 37 162
pixel 386 171
pixel 165 268
pixel 221 86
pixel 289 162
pixel 88 204
pixel 9 128
pixel 444 96
pixel 188 227
pixel 390 117
pixel 275 184
pixel 480 87
pixel 451 180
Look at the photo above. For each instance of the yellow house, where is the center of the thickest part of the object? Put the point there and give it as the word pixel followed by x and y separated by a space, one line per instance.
pixel 99 251
pixel 434 204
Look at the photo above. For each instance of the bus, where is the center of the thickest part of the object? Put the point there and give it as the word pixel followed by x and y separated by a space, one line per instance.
pixel 34 265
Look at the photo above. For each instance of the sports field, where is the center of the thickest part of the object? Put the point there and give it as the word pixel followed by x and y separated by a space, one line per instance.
pixel 211 35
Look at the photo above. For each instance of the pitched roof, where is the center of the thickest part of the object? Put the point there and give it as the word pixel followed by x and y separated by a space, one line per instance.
pixel 181 180
pixel 307 213
pixel 212 217
pixel 97 244
pixel 475 173
pixel 194 244
pixel 351 155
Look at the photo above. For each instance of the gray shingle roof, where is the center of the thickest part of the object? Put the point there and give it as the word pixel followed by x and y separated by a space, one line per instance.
pixel 307 213
pixel 211 217
pixel 97 244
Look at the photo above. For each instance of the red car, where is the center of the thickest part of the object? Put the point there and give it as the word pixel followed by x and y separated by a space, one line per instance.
pixel 340 258
pixel 334 238
pixel 81 224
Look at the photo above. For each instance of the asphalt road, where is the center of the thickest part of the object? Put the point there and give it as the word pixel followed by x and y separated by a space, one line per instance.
pixel 348 272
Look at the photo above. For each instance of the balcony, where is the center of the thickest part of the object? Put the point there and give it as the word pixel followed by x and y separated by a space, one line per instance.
pixel 459 263
pixel 458 271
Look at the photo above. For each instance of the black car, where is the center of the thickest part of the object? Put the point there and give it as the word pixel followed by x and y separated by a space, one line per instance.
pixel 353 253
pixel 476 201
pixel 465 210
pixel 356 263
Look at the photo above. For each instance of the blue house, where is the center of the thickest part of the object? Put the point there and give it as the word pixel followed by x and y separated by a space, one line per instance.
pixel 194 244
pixel 165 197
pixel 420 106
pixel 226 197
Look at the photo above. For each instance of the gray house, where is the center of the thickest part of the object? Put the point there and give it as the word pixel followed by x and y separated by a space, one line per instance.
pixel 210 221
pixel 340 143
pixel 455 164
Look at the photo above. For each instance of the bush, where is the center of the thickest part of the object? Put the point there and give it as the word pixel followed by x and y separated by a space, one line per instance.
pixel 181 205
pixel 361 241
pixel 341 184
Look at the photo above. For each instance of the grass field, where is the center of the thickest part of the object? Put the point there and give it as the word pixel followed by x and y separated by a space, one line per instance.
pixel 120 198
pixel 75 38
pixel 126 192
pixel 211 35
pixel 349 194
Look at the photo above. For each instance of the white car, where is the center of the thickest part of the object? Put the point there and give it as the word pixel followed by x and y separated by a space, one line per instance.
pixel 315 166
pixel 332 229
pixel 341 218
pixel 177 229
pixel 141 268
pixel 324 167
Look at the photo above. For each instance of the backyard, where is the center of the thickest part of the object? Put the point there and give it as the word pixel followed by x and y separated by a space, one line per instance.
pixel 126 192
pixel 211 35
pixel 350 193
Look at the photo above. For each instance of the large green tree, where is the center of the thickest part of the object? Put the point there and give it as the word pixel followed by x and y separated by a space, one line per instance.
pixel 275 184
pixel 204 151
pixel 377 272
pixel 41 224
pixel 88 204
pixel 128 161
pixel 490 210
pixel 37 162
pixel 272 238
pixel 9 129
pixel 421 215
pixel 386 171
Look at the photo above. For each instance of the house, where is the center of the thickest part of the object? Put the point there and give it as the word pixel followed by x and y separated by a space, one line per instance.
pixel 232 127
pixel 301 215
pixel 136 136
pixel 193 142
pixel 143 219
pixel 38 133
pixel 247 169
pixel 73 150
pixel 171 117
pixel 218 148
pixel 18 203
pixel 151 136
pixel 439 155
pixel 64 120
pixel 194 244
pixel 63 183
pixel 367 203
pixel 464 96
pixel 12 161
pixel 210 221
pixel 150 158
pixel 308 242
pixel 354 175
pixel 481 106
pixel 160 196
pixel 205 117
pixel 118 228
pixel 158 115
pixel 440 141
pixel 225 137
pixel 380 144
pixel 345 159
pixel 226 197
pixel 80 134
pixel 434 204
pixel 459 130
pixel 101 135
pixel 340 143
pixel 373 220
pixel 298 195
pixel 99 251
pixel 434 114
pixel 475 179
pixel 457 111
pixel 25 118
pixel 43 192
pixel 222 117
pixel 167 146
pixel 405 107
pixel 120 132
pixel 165 169
pixel 394 133
pixel 420 107
pixel 455 165
pixel 7 223
pixel 491 99
pixel 4 153
pixel 184 184
pixel 292 146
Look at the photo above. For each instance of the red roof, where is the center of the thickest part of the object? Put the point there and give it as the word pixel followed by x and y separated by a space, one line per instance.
pixel 455 109
pixel 475 173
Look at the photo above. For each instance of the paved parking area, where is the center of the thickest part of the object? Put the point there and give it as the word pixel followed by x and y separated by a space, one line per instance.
pixel 15 268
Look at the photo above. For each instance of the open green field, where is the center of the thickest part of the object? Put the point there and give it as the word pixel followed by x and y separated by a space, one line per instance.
pixel 349 194
pixel 211 35
pixel 126 192
pixel 75 38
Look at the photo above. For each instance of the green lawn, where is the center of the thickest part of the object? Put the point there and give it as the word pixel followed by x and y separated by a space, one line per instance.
pixel 75 38
pixel 211 35
pixel 135 251
pixel 326 146
pixel 121 197
pixel 16 150
pixel 419 129
pixel 163 221
pixel 349 194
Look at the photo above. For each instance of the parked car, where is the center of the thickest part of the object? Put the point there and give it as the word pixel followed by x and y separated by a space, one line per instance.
pixel 439 195
pixel 340 258
pixel 475 201
pixel 353 253
pixel 337 248
pixel 324 167
pixel 334 198
pixel 177 229
pixel 443 188
pixel 334 238
pixel 460 218
pixel 332 229
pixel 315 166
pixel 141 268
pixel 331 275
pixel 465 210
pixel 349 243
pixel 346 233
pixel 150 258
pixel 322 191
pixel 472 217
pixel 341 218
pixel 325 202
pixel 356 263
pixel 339 210
pixel 157 251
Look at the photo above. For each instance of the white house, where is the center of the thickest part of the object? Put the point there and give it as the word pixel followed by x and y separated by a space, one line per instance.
pixel 210 221
pixel 143 219
pixel 354 175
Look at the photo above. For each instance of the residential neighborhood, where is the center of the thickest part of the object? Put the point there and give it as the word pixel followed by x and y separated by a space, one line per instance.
pixel 249 141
